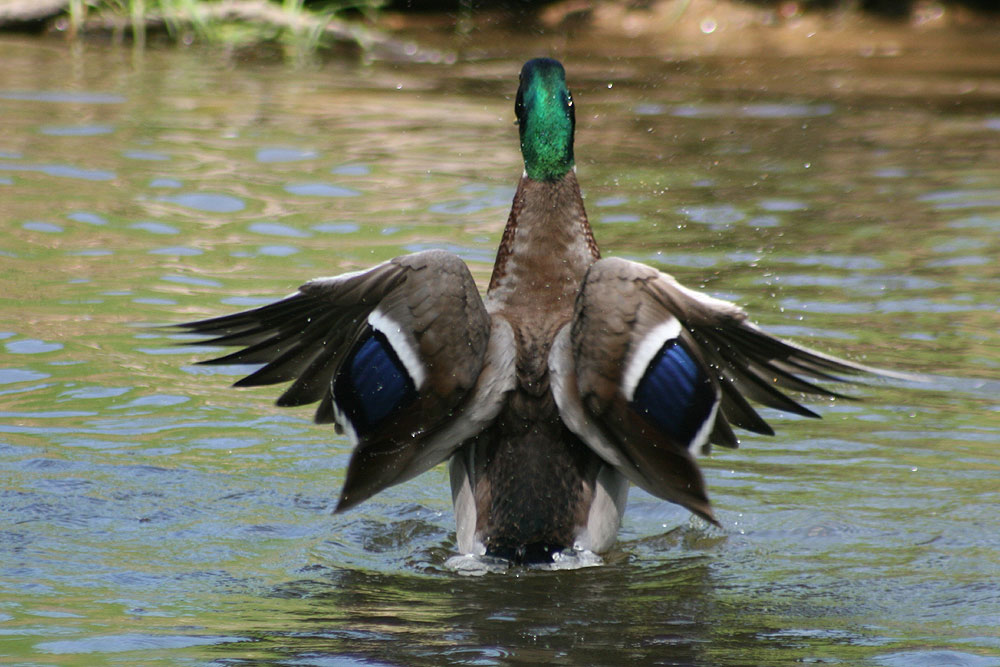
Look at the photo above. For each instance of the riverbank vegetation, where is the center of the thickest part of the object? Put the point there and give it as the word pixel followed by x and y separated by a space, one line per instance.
pixel 300 27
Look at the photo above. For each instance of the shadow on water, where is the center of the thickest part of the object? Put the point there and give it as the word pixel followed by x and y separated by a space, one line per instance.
pixel 666 600
pixel 601 615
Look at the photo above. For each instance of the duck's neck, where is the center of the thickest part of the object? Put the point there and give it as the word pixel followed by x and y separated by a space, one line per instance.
pixel 546 248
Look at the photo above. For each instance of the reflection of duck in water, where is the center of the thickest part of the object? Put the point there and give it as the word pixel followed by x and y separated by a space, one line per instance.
pixel 573 377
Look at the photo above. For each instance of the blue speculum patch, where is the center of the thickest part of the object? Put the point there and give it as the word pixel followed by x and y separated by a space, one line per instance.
pixel 375 383
pixel 674 393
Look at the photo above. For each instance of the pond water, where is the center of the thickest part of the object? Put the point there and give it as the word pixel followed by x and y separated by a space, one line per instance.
pixel 149 514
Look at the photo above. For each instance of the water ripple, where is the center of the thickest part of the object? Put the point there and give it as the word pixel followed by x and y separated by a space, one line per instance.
pixel 67 96
pixel 44 227
pixel 611 201
pixel 155 227
pixel 763 110
pixel 190 280
pixel 63 171
pixel 277 250
pixel 944 200
pixel 718 216
pixel 854 262
pixel 320 190
pixel 87 218
pixel 11 375
pixel 131 642
pixel 934 658
pixel 210 202
pixel 485 197
pixel 351 170
pixel 95 392
pixel 149 156
pixel 915 305
pixel 153 401
pixel 968 260
pixel 619 218
pixel 32 346
pixel 775 205
pixel 165 183
pixel 76 130
pixel 285 154
pixel 337 227
pixel 180 251
pixel 278 229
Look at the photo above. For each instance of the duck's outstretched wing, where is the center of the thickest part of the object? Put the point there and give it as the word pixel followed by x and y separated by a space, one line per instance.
pixel 402 357
pixel 648 373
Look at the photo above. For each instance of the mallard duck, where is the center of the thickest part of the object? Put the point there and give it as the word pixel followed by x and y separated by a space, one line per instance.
pixel 574 377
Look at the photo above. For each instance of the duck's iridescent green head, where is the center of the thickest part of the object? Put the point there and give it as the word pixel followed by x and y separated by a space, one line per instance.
pixel 546 120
